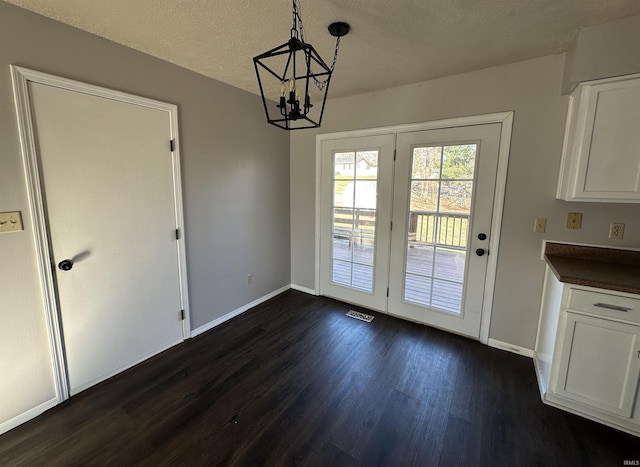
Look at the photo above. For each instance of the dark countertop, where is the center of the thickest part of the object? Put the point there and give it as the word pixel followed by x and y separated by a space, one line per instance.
pixel 605 268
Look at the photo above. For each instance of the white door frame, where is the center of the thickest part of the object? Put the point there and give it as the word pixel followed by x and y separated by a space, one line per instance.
pixel 21 79
pixel 506 120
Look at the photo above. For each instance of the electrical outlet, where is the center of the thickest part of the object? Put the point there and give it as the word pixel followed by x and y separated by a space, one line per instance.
pixel 616 230
pixel 249 279
pixel 540 225
pixel 10 222
pixel 574 220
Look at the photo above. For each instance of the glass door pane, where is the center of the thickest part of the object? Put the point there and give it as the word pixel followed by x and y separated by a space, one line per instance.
pixel 438 225
pixel 354 213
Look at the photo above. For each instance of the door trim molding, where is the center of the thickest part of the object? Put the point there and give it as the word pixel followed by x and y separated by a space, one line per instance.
pixel 503 118
pixel 21 78
pixel 496 224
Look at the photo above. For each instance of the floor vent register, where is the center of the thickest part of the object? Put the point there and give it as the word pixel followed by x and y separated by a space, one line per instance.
pixel 360 316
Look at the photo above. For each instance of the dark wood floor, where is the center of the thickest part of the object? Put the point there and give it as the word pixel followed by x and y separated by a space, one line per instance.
pixel 295 382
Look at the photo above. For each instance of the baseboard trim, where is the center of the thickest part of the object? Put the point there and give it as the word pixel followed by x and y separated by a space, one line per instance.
pixel 584 411
pixel 238 311
pixel 542 386
pixel 299 288
pixel 511 348
pixel 28 415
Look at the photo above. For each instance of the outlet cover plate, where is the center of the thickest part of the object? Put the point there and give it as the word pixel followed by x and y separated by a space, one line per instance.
pixel 10 222
pixel 574 220
pixel 616 230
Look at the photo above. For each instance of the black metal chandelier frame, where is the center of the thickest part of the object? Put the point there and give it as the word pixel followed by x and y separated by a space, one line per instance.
pixel 302 66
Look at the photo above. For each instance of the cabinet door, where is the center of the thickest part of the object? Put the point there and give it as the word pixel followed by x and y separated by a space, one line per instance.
pixel 599 363
pixel 601 160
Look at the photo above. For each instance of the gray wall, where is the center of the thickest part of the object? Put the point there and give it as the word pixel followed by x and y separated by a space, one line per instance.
pixel 531 89
pixel 235 180
pixel 610 49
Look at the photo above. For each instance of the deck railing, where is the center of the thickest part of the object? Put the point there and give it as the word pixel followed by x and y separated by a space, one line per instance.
pixel 444 228
pixel 451 231
pixel 354 225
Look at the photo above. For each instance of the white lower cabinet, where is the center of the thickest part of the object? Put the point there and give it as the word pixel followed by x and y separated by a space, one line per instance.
pixel 598 364
pixel 588 353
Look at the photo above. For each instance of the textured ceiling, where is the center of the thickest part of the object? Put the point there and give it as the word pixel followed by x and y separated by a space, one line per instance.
pixel 392 42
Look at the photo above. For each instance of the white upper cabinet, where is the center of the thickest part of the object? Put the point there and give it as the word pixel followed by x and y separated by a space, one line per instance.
pixel 601 152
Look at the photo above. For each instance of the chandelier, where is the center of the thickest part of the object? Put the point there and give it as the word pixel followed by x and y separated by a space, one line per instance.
pixel 294 79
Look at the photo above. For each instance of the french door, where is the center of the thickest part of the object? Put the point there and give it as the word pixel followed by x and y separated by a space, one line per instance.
pixel 356 199
pixel 442 214
pixel 410 236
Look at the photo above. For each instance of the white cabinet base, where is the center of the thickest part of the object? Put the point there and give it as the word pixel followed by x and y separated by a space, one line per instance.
pixel 587 356
pixel 584 411
pixel 598 366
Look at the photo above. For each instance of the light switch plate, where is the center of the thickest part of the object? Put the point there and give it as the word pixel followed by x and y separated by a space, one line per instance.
pixel 574 220
pixel 10 222
pixel 540 225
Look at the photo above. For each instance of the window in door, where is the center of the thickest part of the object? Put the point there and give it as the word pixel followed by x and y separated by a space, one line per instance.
pixel 441 186
pixel 355 187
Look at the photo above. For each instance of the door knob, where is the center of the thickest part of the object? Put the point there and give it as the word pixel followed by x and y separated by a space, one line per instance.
pixel 482 236
pixel 65 265
pixel 480 252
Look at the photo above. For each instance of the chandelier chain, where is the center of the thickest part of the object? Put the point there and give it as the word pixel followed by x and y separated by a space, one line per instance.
pixel 297 26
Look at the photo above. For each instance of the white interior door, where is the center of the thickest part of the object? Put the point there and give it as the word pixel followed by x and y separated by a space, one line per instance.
pixel 107 177
pixel 356 215
pixel 443 202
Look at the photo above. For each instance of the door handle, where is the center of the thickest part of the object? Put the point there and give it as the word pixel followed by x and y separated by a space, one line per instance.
pixel 481 251
pixel 65 265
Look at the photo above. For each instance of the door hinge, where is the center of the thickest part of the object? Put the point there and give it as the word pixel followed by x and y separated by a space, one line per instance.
pixel 394 154
pixel 172 146
pixel 177 234
pixel 182 315
pixel 391 227
pixel 387 291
